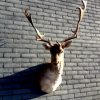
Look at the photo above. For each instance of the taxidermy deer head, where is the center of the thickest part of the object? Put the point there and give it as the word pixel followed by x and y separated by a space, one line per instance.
pixel 51 78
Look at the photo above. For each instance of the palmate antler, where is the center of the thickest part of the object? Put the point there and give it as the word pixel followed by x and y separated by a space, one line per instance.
pixel 81 14
pixel 39 36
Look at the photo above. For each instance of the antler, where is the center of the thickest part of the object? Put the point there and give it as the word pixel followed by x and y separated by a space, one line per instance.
pixel 81 14
pixel 39 37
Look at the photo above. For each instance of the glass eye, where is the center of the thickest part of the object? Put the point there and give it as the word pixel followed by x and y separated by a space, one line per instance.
pixel 61 51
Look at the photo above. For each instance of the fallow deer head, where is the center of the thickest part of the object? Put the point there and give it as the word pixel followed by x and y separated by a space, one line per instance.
pixel 58 48
pixel 51 79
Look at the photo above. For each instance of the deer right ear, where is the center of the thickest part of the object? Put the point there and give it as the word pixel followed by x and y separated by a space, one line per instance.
pixel 66 44
pixel 47 46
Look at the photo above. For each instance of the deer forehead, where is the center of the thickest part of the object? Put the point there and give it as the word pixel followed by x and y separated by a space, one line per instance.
pixel 56 49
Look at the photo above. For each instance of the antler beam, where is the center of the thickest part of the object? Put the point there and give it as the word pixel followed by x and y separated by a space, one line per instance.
pixel 39 36
pixel 81 14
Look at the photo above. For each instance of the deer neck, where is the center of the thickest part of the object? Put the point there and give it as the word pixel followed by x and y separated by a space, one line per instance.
pixel 60 65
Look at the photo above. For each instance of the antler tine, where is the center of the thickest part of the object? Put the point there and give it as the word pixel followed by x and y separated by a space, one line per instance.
pixel 39 37
pixel 81 14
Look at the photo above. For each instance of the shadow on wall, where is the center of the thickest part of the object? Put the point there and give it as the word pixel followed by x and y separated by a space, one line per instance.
pixel 22 85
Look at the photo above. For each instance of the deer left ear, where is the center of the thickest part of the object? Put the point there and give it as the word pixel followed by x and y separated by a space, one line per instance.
pixel 46 46
pixel 66 44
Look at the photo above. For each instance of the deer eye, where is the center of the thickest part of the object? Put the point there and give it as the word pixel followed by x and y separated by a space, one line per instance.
pixel 61 51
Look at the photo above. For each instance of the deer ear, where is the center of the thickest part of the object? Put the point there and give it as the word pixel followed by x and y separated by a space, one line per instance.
pixel 66 44
pixel 47 46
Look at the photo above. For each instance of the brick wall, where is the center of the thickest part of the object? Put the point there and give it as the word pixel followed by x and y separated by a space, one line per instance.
pixel 56 18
